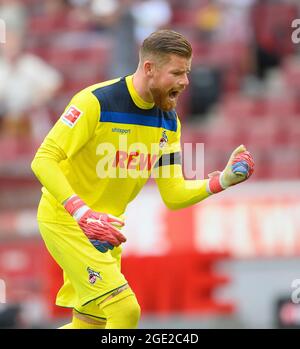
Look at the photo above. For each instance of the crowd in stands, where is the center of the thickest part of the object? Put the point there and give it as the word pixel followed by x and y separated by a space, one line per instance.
pixel 244 85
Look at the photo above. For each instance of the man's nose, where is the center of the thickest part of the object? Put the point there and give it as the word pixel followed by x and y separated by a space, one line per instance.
pixel 184 81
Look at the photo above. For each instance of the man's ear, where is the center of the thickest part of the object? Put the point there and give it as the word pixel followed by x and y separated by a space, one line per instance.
pixel 149 68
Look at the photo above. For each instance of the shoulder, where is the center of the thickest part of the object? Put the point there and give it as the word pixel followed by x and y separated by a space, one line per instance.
pixel 89 94
pixel 112 90
pixel 102 85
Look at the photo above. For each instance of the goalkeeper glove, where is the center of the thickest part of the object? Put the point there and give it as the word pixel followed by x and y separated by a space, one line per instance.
pixel 239 168
pixel 98 227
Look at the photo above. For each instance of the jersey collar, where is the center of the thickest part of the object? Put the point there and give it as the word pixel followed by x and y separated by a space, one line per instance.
pixel 138 100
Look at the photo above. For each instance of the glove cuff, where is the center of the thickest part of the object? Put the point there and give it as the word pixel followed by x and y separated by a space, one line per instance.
pixel 222 181
pixel 76 207
pixel 215 184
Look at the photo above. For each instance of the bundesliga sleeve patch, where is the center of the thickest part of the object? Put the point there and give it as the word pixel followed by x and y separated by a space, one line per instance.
pixel 71 116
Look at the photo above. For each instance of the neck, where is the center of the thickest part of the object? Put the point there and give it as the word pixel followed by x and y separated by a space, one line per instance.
pixel 140 84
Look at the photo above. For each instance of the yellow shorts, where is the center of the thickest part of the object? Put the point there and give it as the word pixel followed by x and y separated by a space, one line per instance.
pixel 88 273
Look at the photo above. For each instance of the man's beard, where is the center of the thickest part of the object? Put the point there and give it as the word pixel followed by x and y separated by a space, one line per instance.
pixel 162 99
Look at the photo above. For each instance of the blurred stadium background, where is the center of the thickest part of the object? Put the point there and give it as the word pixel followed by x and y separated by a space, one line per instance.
pixel 226 263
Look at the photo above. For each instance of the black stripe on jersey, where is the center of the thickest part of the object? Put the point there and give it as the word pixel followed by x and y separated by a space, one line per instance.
pixel 169 159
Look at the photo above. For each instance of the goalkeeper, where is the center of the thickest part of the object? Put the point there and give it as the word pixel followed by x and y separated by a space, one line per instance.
pixel 97 158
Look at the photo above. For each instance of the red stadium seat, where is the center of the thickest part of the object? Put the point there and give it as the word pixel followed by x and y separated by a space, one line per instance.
pixel 284 164
pixel 159 281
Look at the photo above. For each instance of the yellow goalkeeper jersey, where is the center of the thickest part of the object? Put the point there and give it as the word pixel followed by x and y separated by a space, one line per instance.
pixel 106 143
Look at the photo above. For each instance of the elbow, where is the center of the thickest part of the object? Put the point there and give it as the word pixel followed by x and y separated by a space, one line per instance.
pixel 172 202
pixel 177 204
pixel 34 166
pixel 172 205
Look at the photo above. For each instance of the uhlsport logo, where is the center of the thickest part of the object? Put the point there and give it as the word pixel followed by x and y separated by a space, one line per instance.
pixel 123 131
pixel 93 275
pixel 164 140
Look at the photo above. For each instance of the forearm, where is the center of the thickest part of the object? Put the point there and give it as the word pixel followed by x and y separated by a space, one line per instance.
pixel 46 167
pixel 179 193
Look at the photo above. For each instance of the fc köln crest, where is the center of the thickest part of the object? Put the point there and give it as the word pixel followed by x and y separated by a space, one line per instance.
pixel 164 140
pixel 93 275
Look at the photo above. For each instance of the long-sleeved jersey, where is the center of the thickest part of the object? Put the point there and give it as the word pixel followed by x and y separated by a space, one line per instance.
pixel 104 148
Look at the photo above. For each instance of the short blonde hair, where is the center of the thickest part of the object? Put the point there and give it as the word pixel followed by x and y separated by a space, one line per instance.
pixel 164 42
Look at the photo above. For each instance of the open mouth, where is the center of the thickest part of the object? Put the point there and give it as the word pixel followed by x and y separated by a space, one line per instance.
pixel 173 94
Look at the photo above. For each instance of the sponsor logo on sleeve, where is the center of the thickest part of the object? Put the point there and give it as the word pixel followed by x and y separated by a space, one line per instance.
pixel 71 116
